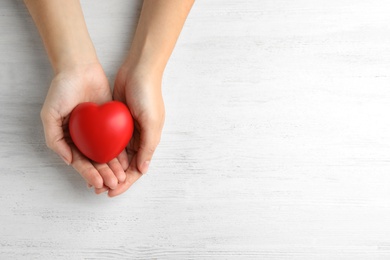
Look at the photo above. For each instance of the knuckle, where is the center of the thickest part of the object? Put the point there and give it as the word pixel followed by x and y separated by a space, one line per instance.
pixel 96 181
pixel 49 140
pixel 150 148
pixel 44 115
pixel 50 144
pixel 156 119
pixel 112 183
pixel 52 141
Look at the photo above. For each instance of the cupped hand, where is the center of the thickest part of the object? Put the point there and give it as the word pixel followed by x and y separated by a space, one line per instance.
pixel 141 91
pixel 70 87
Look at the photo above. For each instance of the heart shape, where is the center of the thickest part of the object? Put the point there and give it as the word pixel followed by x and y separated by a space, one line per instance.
pixel 101 132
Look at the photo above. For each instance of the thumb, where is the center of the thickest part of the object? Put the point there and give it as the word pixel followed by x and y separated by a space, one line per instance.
pixel 54 135
pixel 149 140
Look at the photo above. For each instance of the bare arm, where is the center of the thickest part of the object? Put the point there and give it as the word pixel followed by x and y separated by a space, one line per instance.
pixel 158 29
pixel 63 30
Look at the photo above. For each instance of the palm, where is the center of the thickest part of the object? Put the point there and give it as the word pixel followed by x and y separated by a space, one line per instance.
pixel 146 105
pixel 74 87
pixel 68 89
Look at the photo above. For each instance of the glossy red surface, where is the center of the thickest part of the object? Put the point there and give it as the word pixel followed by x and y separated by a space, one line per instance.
pixel 101 132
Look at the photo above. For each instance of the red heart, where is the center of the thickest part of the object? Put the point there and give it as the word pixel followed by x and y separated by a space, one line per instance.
pixel 101 132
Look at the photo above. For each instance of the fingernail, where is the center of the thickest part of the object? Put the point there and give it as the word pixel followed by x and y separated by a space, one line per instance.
pixel 65 160
pixel 145 167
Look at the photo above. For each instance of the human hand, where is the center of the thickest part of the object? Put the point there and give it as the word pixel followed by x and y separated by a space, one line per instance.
pixel 70 87
pixel 79 78
pixel 138 82
pixel 141 91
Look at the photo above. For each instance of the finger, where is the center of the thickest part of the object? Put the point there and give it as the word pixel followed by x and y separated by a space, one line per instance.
pixel 124 161
pixel 54 135
pixel 107 174
pixel 117 169
pixel 149 140
pixel 101 190
pixel 132 175
pixel 86 169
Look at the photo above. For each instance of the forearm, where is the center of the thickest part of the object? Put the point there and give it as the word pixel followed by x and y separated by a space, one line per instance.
pixel 63 31
pixel 158 29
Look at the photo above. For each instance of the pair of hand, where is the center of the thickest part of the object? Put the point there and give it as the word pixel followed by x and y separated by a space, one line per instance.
pixel 79 78
pixel 138 89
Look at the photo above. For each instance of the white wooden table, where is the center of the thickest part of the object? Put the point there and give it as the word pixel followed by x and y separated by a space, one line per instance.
pixel 276 143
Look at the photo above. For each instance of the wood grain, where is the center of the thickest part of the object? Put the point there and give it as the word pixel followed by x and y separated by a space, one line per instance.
pixel 276 143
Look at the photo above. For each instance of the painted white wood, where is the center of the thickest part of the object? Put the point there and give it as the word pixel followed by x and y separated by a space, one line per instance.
pixel 276 143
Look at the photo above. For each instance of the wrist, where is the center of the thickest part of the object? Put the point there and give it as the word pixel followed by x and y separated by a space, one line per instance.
pixel 139 71
pixel 72 58
pixel 72 49
pixel 138 80
pixel 63 31
pixel 143 64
